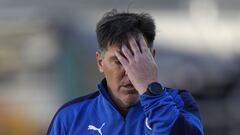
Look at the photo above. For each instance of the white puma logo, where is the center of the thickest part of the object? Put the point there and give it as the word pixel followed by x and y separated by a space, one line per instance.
pixel 147 125
pixel 91 127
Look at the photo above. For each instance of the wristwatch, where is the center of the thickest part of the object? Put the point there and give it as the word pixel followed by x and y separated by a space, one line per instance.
pixel 154 89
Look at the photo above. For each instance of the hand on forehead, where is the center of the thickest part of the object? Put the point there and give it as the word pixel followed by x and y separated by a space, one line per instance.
pixel 136 43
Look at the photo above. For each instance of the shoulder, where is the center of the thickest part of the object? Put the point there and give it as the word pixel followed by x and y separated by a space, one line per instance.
pixel 77 104
pixel 79 100
pixel 70 110
pixel 87 99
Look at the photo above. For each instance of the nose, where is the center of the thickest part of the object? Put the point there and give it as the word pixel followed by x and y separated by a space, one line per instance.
pixel 125 76
pixel 124 72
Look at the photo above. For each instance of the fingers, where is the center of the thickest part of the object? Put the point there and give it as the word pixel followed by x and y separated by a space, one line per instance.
pixel 133 44
pixel 126 52
pixel 142 43
pixel 121 58
pixel 127 56
pixel 144 47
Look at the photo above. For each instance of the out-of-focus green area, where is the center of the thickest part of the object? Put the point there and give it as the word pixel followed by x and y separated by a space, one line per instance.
pixel 47 57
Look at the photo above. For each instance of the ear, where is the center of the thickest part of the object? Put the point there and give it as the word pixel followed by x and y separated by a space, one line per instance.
pixel 99 60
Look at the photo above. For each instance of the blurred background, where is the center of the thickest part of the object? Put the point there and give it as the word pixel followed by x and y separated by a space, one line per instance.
pixel 47 57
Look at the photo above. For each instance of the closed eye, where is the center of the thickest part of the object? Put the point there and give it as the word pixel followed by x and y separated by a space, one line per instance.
pixel 117 62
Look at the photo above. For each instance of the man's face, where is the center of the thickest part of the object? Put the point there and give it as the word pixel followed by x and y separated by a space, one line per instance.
pixel 120 88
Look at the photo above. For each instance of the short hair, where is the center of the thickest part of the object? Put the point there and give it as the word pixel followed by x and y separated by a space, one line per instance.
pixel 114 27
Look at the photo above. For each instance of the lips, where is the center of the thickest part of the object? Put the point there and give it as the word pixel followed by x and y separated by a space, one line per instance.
pixel 129 89
pixel 129 86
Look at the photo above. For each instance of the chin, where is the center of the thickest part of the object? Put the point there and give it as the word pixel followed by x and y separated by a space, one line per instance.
pixel 131 99
pixel 129 96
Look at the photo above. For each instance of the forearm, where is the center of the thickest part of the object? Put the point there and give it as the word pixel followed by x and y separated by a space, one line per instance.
pixel 183 127
pixel 166 115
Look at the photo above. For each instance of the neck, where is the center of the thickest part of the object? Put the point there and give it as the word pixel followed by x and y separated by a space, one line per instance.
pixel 122 108
pixel 123 111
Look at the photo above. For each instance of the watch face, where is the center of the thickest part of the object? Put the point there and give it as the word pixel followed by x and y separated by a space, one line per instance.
pixel 155 88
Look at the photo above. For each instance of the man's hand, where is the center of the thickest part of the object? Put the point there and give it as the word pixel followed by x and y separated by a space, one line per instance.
pixel 140 66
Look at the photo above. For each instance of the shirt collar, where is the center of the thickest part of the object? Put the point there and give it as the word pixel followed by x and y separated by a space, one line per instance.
pixel 102 86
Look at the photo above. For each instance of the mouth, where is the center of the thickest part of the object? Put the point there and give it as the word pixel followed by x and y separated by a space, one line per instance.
pixel 129 88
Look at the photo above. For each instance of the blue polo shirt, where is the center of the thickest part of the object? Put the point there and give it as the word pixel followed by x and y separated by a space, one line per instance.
pixel 172 112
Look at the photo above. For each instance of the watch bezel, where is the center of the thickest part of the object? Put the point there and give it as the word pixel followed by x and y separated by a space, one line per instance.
pixel 155 88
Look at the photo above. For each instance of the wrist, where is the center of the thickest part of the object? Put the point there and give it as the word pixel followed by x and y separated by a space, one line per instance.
pixel 143 88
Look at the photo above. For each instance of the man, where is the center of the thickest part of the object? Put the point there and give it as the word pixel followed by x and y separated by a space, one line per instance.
pixel 130 100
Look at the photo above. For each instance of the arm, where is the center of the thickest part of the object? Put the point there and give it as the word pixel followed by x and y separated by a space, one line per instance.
pixel 173 112
pixel 188 121
pixel 168 112
pixel 57 126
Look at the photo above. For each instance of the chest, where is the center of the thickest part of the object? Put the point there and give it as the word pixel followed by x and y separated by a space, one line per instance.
pixel 110 124
pixel 111 128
